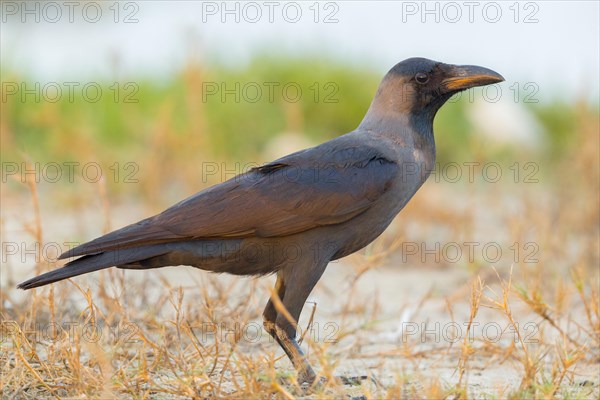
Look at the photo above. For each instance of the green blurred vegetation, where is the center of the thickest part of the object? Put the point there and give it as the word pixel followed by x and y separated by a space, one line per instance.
pixel 174 125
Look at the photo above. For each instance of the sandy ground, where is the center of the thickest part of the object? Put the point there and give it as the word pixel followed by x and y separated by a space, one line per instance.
pixel 401 306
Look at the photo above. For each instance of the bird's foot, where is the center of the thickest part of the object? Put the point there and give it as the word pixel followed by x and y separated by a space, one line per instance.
pixel 307 377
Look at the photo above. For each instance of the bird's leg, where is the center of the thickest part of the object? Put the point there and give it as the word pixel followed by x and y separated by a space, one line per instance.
pixel 285 340
pixel 270 312
pixel 282 325
pixel 296 355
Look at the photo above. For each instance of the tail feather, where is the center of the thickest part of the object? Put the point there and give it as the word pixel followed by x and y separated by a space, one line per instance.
pixel 93 262
pixel 140 234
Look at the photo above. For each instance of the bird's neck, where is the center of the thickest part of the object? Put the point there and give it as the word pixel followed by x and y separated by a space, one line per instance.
pixel 394 111
pixel 396 122
pixel 422 126
pixel 392 118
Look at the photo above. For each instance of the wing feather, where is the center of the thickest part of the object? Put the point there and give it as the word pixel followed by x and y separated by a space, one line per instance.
pixel 322 186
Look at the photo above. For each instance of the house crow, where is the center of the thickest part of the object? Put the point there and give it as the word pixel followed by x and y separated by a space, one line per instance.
pixel 294 215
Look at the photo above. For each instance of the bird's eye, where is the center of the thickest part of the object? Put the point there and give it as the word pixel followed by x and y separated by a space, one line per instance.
pixel 421 77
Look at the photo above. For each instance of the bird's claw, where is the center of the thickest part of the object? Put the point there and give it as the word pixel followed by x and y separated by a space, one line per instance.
pixel 307 377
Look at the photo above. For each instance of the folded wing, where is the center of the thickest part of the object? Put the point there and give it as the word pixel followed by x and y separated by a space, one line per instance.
pixel 321 186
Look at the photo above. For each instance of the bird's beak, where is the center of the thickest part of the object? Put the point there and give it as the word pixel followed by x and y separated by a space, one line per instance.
pixel 463 77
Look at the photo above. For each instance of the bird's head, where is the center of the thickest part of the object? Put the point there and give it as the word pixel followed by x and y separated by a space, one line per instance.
pixel 419 87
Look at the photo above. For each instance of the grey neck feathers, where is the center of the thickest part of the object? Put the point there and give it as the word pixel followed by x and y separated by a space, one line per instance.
pixel 393 114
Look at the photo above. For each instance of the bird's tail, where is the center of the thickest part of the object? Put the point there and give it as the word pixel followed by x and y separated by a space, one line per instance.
pixel 93 262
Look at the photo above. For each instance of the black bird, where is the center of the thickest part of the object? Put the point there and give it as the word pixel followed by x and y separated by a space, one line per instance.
pixel 294 215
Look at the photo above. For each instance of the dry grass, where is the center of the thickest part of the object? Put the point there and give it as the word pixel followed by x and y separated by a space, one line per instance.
pixel 150 335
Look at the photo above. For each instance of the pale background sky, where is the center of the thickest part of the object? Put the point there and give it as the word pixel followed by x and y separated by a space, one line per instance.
pixel 560 52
